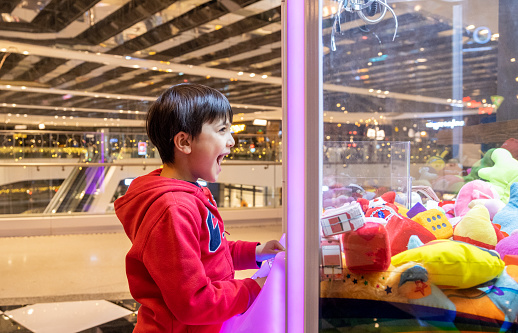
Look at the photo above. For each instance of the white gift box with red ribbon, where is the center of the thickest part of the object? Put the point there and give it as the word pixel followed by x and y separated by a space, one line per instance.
pixel 343 219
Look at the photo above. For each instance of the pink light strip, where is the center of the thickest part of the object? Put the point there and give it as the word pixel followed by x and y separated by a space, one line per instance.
pixel 295 183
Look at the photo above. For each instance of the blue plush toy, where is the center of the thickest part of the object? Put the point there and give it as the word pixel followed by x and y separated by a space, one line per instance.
pixel 507 217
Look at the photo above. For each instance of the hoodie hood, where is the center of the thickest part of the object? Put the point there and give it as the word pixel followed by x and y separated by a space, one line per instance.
pixel 143 192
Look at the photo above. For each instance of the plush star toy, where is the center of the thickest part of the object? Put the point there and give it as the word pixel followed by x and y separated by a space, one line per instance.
pixel 502 174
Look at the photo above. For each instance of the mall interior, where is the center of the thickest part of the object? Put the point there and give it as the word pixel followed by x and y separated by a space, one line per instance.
pixel 378 138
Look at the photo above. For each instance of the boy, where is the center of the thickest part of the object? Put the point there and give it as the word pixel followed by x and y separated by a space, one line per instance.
pixel 180 267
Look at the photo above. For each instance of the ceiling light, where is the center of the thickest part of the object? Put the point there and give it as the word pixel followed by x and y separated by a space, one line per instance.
pixel 260 122
pixel 240 73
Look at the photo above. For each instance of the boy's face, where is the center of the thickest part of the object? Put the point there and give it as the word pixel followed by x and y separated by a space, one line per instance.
pixel 209 148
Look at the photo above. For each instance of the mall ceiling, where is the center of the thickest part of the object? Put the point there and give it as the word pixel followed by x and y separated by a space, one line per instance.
pixel 101 62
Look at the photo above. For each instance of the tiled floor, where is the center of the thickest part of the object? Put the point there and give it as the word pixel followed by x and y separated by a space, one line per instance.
pixel 77 283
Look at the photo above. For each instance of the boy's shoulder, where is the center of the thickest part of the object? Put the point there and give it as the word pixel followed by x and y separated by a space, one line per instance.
pixel 188 197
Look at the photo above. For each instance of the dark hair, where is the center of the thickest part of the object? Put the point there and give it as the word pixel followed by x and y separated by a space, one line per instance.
pixel 183 108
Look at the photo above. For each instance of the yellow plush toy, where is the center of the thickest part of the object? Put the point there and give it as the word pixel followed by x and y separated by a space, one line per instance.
pixel 436 222
pixel 453 264
pixel 476 228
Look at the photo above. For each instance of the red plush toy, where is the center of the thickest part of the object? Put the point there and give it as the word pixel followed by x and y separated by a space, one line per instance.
pixel 400 230
pixel 382 207
pixel 367 249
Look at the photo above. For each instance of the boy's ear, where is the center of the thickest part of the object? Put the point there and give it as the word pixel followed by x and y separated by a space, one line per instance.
pixel 182 142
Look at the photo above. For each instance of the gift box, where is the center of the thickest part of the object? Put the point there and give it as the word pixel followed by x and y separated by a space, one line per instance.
pixel 331 257
pixel 343 219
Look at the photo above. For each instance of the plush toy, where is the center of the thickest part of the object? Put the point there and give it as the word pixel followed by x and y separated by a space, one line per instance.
pixel 410 287
pixel 448 208
pixel 493 205
pixel 386 199
pixel 436 222
pixel 508 246
pixel 511 144
pixel 382 207
pixel 476 228
pixel 400 230
pixel 448 183
pixel 499 301
pixel 477 189
pixel 485 162
pixel 437 161
pixel 367 249
pixel 372 286
pixel 427 174
pixel 416 209
pixel 452 264
pixel 401 210
pixel 452 167
pixel 502 174
pixel 507 217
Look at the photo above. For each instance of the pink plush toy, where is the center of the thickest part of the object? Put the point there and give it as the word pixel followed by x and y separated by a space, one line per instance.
pixel 511 144
pixel 508 246
pixel 477 189
pixel 493 205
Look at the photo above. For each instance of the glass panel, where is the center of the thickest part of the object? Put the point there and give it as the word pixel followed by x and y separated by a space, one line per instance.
pixel 401 233
pixel 49 172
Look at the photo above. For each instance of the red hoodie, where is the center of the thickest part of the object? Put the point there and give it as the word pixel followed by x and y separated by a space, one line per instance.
pixel 180 267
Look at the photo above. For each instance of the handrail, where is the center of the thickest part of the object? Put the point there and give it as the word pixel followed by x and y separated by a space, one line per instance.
pixel 14 132
pixel 97 164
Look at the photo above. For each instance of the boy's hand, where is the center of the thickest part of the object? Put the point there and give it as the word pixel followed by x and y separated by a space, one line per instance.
pixel 260 281
pixel 268 250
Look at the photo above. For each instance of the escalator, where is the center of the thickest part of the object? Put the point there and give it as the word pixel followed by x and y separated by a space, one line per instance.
pixel 78 191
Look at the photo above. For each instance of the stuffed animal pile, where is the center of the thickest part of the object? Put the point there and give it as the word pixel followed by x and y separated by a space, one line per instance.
pixel 460 256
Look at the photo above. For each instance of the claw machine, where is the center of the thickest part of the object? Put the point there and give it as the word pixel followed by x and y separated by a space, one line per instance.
pixel 401 173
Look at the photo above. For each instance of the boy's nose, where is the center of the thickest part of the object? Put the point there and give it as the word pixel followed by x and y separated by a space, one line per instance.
pixel 231 141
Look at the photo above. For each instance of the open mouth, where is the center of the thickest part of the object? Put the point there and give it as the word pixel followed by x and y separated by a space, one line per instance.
pixel 220 158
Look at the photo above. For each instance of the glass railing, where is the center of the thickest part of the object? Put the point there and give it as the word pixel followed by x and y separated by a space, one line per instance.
pixel 111 146
pixel 54 188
